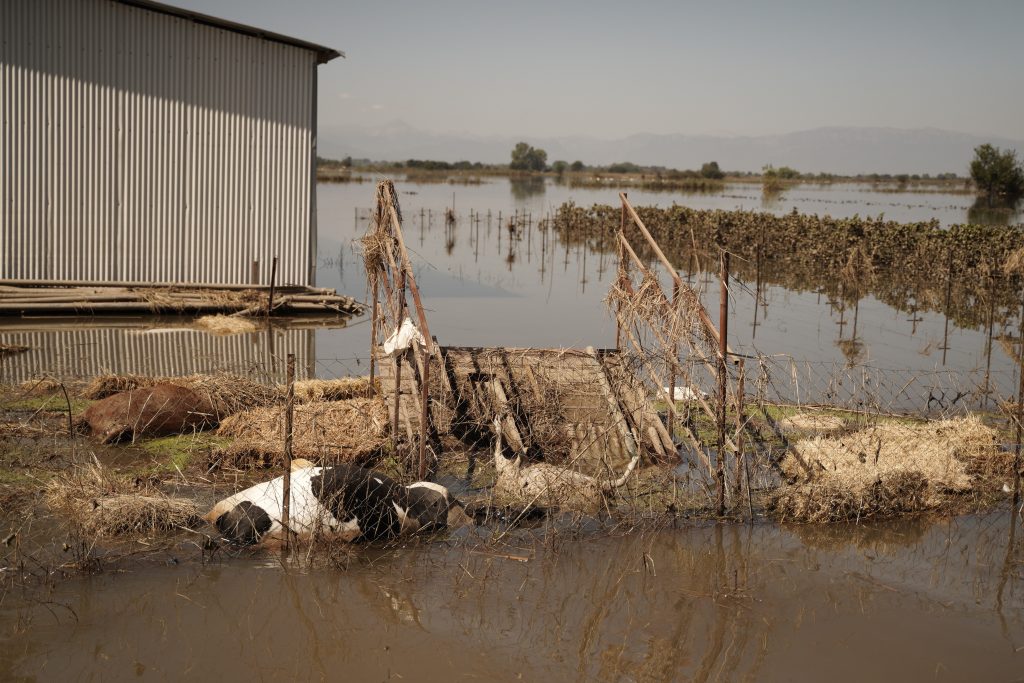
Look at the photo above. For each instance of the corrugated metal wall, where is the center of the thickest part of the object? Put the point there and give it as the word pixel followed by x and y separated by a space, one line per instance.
pixel 145 147
pixel 87 352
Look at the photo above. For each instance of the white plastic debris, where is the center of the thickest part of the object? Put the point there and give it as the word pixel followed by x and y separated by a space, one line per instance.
pixel 687 394
pixel 403 338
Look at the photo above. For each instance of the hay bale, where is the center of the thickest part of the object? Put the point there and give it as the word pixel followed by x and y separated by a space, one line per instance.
pixel 314 390
pixel 246 455
pixel 886 469
pixel 353 431
pixel 225 324
pixel 230 394
pixel 104 504
pixel 812 422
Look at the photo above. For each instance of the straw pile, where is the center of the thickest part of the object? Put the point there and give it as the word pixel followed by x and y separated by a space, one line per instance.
pixel 888 469
pixel 227 393
pixel 225 324
pixel 317 390
pixel 104 504
pixel 812 422
pixel 337 431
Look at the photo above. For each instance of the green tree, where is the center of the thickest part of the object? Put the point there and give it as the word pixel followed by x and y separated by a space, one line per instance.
pixel 997 174
pixel 576 166
pixel 559 167
pixel 711 170
pixel 527 158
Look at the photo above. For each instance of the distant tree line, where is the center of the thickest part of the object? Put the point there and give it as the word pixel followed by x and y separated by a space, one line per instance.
pixel 525 158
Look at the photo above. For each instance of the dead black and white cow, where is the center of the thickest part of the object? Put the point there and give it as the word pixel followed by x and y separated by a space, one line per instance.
pixel 344 502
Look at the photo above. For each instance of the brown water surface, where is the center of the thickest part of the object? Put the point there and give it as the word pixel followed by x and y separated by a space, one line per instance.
pixel 904 600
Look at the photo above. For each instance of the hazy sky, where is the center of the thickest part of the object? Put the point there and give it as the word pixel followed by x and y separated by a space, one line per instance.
pixel 610 69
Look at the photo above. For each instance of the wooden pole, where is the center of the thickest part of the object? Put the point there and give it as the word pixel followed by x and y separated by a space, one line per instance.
pixel 702 314
pixel 286 500
pixel 675 358
pixel 424 414
pixel 740 457
pixel 273 283
pixel 373 335
pixel 723 326
pixel 1020 413
pixel 622 264
pixel 949 295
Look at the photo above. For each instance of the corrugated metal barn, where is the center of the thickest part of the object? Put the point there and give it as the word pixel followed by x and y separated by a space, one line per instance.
pixel 145 143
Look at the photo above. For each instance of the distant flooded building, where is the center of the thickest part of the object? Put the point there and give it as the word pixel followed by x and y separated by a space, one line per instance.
pixel 145 143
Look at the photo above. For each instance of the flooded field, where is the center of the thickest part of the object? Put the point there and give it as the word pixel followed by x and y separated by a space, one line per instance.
pixel 662 593
pixel 914 599
pixel 479 289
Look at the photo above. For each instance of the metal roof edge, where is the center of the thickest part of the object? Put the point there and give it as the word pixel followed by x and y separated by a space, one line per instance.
pixel 324 54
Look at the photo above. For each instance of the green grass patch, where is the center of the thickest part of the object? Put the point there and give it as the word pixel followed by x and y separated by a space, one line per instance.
pixel 51 402
pixel 177 452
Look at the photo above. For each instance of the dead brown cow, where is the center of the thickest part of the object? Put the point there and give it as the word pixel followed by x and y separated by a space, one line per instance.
pixel 151 411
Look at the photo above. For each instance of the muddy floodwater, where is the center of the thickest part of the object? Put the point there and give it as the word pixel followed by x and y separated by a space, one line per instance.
pixel 905 600
pixel 481 290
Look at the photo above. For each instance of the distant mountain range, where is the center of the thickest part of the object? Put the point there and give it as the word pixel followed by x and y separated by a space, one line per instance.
pixel 831 150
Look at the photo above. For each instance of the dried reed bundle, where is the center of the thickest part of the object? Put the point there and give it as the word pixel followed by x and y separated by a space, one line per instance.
pixel 1014 263
pixel 104 504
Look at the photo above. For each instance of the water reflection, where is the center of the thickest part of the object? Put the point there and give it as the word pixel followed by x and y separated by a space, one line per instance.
pixel 527 187
pixel 158 346
pixel 714 602
pixel 983 213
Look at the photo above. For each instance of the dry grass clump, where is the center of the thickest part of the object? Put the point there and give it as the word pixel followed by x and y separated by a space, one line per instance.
pixel 812 422
pixel 342 431
pixel 246 455
pixel 226 324
pixel 11 349
pixel 104 504
pixel 888 469
pixel 228 394
pixel 315 390
pixel 102 386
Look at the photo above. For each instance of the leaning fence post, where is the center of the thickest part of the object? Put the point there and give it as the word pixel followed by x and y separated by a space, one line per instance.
pixel 286 499
pixel 373 337
pixel 273 281
pixel 723 349
pixel 740 456
pixel 424 414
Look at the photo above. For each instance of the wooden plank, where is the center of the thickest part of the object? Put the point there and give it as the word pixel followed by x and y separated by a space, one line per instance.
pixel 617 414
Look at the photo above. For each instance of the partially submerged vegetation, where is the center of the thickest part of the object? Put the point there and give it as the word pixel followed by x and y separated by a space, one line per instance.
pixel 908 266
pixel 891 468
pixel 816 466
